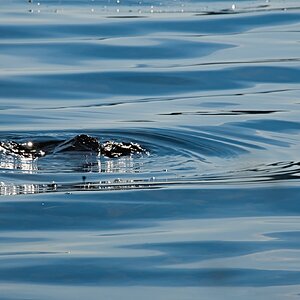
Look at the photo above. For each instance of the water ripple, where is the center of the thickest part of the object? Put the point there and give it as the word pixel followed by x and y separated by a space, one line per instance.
pixel 211 90
pixel 191 155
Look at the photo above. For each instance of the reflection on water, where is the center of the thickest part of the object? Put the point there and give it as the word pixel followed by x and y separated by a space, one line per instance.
pixel 12 189
pixel 79 163
pixel 11 162
pixel 122 172
pixel 127 164
pixel 18 168
pixel 135 8
pixel 120 165
pixel 117 184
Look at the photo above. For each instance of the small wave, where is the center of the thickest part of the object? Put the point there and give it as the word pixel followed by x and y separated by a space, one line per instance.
pixel 134 9
pixel 194 155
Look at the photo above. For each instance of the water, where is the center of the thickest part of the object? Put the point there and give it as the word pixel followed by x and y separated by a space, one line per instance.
pixel 211 90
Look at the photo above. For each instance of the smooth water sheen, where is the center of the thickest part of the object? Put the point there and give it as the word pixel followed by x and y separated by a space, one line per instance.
pixel 211 90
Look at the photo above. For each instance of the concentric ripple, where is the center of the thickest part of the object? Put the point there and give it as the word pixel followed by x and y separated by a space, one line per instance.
pixel 205 155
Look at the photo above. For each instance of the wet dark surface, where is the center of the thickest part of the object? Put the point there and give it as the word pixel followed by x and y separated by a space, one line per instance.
pixel 80 143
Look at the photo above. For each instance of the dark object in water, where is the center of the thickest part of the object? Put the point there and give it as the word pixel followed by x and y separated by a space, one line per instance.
pixel 114 149
pixel 80 142
pixel 26 150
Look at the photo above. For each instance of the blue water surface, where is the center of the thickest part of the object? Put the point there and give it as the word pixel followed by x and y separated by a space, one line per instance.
pixel 211 90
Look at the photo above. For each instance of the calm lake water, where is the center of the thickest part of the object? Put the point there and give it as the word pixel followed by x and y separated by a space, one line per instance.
pixel 211 90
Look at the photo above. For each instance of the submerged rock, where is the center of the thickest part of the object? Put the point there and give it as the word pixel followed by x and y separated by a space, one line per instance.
pixel 79 143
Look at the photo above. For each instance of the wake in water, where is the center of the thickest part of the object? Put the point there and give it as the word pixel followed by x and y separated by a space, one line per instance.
pixel 227 154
